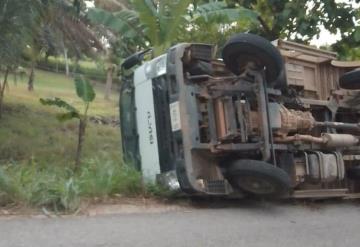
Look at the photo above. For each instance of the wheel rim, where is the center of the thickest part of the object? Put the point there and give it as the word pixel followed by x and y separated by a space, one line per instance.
pixel 251 62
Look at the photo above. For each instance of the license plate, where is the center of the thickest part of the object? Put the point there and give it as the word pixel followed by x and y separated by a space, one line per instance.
pixel 175 116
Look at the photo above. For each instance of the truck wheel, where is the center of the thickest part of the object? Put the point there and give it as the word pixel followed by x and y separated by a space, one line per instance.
pixel 353 173
pixel 245 47
pixel 258 178
pixel 350 80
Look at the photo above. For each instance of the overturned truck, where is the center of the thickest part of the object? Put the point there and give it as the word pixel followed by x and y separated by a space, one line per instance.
pixel 268 119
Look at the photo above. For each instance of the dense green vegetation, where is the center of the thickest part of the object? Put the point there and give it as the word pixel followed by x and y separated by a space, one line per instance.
pixel 90 68
pixel 37 151
pixel 59 188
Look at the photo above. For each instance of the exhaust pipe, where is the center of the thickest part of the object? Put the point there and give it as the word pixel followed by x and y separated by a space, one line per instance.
pixel 328 140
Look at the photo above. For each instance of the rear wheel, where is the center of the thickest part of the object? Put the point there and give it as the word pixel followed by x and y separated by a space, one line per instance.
pixel 245 48
pixel 258 178
pixel 350 80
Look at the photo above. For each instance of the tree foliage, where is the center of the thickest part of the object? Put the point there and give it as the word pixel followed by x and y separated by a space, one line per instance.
pixel 300 19
pixel 71 112
pixel 146 24
pixel 159 24
pixel 214 21
pixel 19 21
pixel 84 89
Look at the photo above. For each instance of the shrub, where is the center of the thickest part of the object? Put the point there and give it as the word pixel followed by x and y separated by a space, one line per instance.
pixel 105 178
pixel 59 188
pixel 93 71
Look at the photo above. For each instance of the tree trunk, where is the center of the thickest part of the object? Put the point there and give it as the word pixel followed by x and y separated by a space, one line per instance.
pixel 67 70
pixel 109 81
pixel 2 89
pixel 82 128
pixel 76 65
pixel 15 78
pixel 31 78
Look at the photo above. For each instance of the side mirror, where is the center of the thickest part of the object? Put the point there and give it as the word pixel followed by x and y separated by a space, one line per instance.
pixel 134 59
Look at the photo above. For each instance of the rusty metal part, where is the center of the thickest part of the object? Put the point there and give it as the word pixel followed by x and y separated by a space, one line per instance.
pixel 254 122
pixel 339 125
pixel 304 138
pixel 329 140
pixel 339 140
pixel 351 157
pixel 294 121
pixel 264 117
pixel 220 118
pixel 301 169
pixel 242 110
pixel 321 193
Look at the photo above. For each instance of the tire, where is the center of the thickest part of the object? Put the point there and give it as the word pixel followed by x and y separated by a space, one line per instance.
pixel 353 173
pixel 350 80
pixel 245 47
pixel 258 178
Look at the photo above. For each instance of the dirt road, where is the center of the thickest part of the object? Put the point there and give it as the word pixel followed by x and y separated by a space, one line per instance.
pixel 239 224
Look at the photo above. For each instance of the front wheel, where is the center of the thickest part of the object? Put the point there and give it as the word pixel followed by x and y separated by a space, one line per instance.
pixel 245 48
pixel 258 178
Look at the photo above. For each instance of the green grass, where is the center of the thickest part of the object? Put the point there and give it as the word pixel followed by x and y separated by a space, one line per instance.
pixel 37 151
pixel 89 64
pixel 59 189
pixel 31 131
pixel 48 84
pixel 88 67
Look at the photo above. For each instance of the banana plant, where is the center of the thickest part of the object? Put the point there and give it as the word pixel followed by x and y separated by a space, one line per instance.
pixel 147 23
pixel 85 91
pixel 159 24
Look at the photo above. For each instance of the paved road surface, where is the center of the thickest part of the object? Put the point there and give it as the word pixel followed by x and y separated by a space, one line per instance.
pixel 249 224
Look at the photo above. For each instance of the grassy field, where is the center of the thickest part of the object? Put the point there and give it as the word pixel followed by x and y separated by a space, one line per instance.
pixel 91 68
pixel 29 130
pixel 37 151
pixel 48 84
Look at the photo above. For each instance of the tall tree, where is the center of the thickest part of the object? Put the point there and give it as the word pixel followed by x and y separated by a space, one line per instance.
pixel 64 30
pixel 18 23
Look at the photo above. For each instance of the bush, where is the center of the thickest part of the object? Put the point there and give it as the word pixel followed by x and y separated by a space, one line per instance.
pixel 58 188
pixel 104 178
pixel 91 70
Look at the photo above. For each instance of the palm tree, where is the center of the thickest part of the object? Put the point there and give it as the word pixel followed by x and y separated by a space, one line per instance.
pixel 61 29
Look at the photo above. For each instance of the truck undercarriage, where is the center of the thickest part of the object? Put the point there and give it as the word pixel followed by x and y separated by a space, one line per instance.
pixel 236 127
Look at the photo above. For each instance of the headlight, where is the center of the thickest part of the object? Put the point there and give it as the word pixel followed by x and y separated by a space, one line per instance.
pixel 160 65
pixel 156 67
